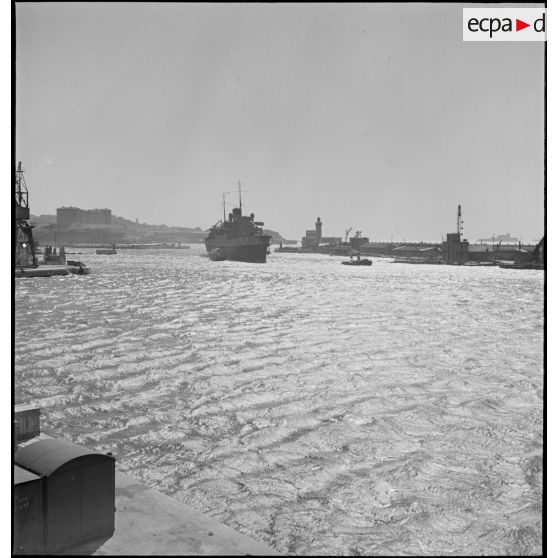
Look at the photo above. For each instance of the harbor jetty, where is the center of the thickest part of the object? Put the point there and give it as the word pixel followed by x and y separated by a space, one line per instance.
pixel 454 250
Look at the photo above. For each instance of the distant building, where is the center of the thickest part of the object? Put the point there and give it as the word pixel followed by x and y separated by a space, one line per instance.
pixel 505 238
pixel 43 219
pixel 314 238
pixel 455 249
pixel 66 216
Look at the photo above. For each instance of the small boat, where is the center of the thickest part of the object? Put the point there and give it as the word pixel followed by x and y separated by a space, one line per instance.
pixel 77 267
pixel 507 264
pixel 358 261
pixel 417 260
pixel 106 251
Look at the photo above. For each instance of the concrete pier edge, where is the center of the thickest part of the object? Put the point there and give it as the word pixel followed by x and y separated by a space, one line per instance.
pixel 149 523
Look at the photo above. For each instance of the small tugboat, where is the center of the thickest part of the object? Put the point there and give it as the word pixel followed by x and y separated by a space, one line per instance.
pixel 238 238
pixel 358 261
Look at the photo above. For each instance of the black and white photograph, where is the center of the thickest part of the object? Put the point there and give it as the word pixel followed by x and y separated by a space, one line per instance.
pixel 198 366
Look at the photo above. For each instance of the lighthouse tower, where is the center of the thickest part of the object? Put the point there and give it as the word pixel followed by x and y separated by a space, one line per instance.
pixel 455 248
pixel 318 229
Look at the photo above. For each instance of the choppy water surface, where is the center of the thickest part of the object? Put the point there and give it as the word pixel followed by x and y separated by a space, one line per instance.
pixel 320 408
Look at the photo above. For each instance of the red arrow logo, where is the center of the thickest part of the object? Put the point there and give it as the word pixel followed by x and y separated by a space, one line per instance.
pixel 519 25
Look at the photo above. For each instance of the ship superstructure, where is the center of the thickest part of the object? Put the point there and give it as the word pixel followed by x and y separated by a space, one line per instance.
pixel 238 238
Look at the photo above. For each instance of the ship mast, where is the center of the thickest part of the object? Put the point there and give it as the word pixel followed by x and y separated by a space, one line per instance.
pixel 224 217
pixel 240 197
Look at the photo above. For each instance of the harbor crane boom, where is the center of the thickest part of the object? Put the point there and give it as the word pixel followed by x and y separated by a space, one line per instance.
pixel 23 236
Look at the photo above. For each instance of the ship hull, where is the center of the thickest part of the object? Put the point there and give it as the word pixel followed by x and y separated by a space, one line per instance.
pixel 249 250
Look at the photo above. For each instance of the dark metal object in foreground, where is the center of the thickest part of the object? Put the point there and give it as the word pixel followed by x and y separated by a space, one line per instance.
pixel 69 500
pixel 76 497
pixel 28 512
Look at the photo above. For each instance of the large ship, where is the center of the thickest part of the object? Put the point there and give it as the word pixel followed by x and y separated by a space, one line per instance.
pixel 238 238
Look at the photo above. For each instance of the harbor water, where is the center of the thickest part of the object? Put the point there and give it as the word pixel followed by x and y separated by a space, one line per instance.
pixel 320 408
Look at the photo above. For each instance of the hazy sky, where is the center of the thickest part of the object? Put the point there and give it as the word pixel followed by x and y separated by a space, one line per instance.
pixel 372 116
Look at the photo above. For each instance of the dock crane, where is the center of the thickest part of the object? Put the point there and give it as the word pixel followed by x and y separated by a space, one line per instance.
pixel 23 236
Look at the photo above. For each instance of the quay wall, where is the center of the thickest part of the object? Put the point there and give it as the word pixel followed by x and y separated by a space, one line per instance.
pixel 476 252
